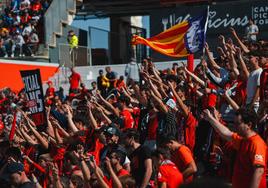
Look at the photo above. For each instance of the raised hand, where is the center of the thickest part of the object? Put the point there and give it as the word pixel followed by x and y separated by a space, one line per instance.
pixel 206 114
pixel 222 39
pixel 233 31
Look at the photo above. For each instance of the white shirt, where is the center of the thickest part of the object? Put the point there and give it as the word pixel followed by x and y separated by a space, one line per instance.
pixel 19 40
pixel 132 71
pixel 252 29
pixel 252 84
pixel 27 30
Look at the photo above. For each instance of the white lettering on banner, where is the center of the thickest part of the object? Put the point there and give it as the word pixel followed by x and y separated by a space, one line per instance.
pixel 260 15
pixel 213 22
pixel 31 83
pixel 33 93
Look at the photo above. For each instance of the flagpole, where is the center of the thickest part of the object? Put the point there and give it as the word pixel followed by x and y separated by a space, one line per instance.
pixel 206 25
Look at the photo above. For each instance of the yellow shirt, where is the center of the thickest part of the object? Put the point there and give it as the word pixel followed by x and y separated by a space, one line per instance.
pixel 73 41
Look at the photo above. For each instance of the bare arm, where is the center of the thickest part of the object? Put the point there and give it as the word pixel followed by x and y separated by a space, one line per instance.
pixel 211 59
pixel 190 170
pixel 162 106
pixel 108 105
pixel 201 82
pixel 38 136
pixel 257 176
pixel 242 63
pixel 233 104
pixel 71 124
pixel 92 120
pixel 223 131
pixel 115 179
pixel 184 108
pixel 148 172
pixel 243 47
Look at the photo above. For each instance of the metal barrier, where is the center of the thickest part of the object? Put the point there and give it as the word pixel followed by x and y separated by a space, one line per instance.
pixel 70 57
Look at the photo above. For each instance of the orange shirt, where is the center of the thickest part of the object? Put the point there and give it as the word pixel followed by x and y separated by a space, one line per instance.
pixel 128 119
pixel 182 158
pixel 122 172
pixel 190 125
pixel 169 173
pixel 251 153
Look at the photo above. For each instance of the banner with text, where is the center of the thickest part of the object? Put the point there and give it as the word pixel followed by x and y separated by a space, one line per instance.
pixel 222 16
pixel 34 93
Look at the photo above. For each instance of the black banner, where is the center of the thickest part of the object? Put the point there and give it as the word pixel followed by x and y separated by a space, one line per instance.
pixel 222 16
pixel 34 93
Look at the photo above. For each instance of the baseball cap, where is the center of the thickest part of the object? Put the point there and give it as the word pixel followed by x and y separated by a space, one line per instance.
pixel 112 130
pixel 15 167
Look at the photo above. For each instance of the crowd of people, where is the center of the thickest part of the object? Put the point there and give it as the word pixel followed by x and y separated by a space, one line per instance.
pixel 19 33
pixel 161 128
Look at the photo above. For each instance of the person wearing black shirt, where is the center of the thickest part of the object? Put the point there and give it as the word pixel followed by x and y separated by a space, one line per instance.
pixel 141 160
pixel 111 76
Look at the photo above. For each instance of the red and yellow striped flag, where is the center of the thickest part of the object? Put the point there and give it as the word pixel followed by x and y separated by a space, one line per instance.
pixel 180 40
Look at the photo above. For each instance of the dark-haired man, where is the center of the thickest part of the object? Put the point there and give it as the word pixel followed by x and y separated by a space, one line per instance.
pixel 141 160
pixel 182 156
pixel 17 176
pixel 250 163
pixel 168 174
pixel 125 115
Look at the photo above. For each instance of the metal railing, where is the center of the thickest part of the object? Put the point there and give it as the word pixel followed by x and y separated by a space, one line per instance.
pixel 70 57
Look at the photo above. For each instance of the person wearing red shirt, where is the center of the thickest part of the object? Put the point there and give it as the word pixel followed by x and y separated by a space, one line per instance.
pixel 251 158
pixel 128 120
pixel 182 156
pixel 75 80
pixel 36 7
pixel 189 121
pixel 168 174
pixel 50 93
pixel 117 158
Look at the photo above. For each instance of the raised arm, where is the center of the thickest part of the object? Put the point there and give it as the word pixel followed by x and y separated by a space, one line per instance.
pixel 160 103
pixel 241 44
pixel 230 101
pixel 71 124
pixel 211 59
pixel 223 131
pixel 184 108
pixel 244 68
pixel 38 136
pixel 108 105
pixel 92 120
pixel 196 78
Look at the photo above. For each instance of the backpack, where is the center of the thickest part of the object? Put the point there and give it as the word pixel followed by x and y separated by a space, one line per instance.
pixel 167 125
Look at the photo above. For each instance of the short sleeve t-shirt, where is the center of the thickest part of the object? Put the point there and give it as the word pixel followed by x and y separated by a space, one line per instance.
pixel 127 119
pixel 138 158
pixel 182 158
pixel 252 84
pixel 251 153
pixel 190 125
pixel 169 173
pixel 74 81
